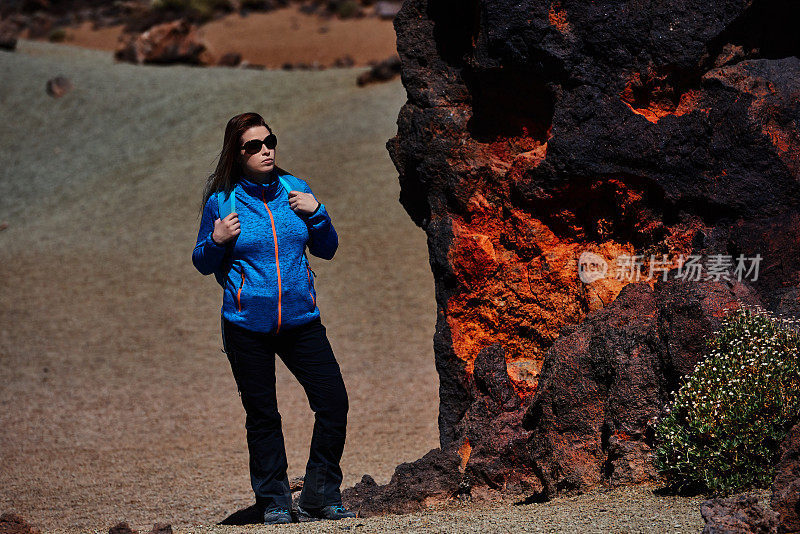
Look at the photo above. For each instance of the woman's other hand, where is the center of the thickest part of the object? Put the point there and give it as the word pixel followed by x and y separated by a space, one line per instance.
pixel 226 229
pixel 304 203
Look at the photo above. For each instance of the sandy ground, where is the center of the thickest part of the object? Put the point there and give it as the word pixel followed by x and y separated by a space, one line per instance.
pixel 284 35
pixel 601 511
pixel 117 402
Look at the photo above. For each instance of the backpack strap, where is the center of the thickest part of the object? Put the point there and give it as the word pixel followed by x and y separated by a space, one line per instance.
pixel 226 203
pixel 290 183
pixel 285 183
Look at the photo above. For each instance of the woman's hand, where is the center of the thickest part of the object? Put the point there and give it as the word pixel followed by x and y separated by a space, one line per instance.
pixel 226 229
pixel 304 203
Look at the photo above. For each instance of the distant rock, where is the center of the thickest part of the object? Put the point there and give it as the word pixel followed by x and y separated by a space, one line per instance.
pixel 58 86
pixel 171 42
pixel 738 515
pixel 8 35
pixel 382 71
pixel 786 487
pixel 344 61
pixel 40 25
pixel 231 59
pixel 302 65
pixel 121 528
pixel 387 10
pixel 247 65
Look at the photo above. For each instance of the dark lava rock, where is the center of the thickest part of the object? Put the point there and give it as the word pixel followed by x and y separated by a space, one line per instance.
pixel 231 59
pixel 738 515
pixel 786 487
pixel 537 131
pixel 121 528
pixel 433 477
pixel 382 71
pixel 8 35
pixel 11 523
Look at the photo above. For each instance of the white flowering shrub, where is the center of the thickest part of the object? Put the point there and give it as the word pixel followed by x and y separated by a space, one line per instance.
pixel 722 431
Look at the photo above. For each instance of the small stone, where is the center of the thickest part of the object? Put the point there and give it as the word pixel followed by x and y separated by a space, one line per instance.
pixel 11 523
pixel 121 528
pixel 58 86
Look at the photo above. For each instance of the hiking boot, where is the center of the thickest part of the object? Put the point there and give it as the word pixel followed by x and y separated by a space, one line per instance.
pixel 277 516
pixel 332 511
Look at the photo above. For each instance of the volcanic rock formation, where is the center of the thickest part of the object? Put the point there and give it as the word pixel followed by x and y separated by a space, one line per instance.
pixel 621 135
pixel 786 487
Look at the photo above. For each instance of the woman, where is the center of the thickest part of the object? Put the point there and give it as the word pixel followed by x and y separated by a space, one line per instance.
pixel 257 254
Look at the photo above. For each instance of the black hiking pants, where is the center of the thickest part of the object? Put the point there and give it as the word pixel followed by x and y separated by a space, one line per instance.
pixel 306 352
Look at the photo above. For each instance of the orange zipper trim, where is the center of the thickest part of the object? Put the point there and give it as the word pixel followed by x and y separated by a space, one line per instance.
pixel 277 264
pixel 313 298
pixel 239 294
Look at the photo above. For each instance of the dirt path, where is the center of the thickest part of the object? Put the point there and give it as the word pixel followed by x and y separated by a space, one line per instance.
pixel 601 511
pixel 273 38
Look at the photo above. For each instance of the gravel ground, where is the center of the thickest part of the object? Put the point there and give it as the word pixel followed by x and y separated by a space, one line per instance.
pixel 621 510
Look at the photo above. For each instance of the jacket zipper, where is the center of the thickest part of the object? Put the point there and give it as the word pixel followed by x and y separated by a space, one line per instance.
pixel 313 298
pixel 277 264
pixel 239 294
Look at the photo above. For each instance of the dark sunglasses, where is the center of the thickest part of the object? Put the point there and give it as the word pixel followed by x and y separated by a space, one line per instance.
pixel 254 145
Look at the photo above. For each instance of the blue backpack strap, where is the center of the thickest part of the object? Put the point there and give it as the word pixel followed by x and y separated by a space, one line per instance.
pixel 226 203
pixel 290 183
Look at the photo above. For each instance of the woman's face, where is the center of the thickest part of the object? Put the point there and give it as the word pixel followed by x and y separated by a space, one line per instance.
pixel 263 161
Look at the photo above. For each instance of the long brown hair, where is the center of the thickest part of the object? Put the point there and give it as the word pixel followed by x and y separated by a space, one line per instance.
pixel 228 170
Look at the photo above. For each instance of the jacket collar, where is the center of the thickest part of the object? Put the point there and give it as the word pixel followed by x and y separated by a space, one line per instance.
pixel 270 190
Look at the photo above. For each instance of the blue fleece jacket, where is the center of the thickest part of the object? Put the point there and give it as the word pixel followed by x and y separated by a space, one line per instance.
pixel 267 283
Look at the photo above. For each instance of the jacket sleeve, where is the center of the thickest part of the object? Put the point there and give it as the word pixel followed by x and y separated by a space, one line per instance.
pixel 207 255
pixel 323 240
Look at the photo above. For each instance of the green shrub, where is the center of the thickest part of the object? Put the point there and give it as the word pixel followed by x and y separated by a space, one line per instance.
pixel 58 35
pixel 254 4
pixel 722 431
pixel 348 9
pixel 201 9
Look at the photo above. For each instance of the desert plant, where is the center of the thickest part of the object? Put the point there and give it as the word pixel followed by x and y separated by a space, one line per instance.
pixel 722 431
pixel 202 10
pixel 58 35
pixel 347 9
pixel 255 5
